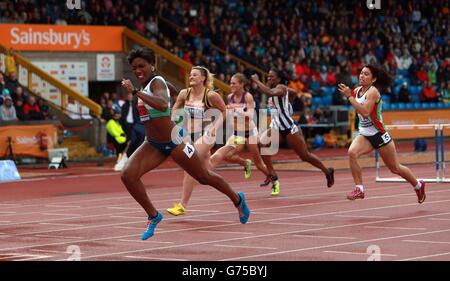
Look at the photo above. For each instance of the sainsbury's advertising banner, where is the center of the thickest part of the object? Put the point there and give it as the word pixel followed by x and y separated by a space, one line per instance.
pixel 27 140
pixel 69 38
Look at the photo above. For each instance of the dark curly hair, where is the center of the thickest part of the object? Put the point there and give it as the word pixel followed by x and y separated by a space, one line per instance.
pixel 144 53
pixel 282 75
pixel 384 78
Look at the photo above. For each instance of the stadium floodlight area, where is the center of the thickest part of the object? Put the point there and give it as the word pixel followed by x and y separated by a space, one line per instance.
pixel 439 163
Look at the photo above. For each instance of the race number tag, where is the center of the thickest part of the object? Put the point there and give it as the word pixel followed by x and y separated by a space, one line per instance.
pixel 386 137
pixel 189 150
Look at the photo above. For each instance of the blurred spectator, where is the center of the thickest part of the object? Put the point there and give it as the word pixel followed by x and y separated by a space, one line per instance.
pixel 19 94
pixel 2 83
pixel 102 102
pixel 390 93
pixel 432 74
pixel 444 91
pixel 370 58
pixel 72 109
pixel 151 25
pixel 7 110
pixel 318 115
pixel 296 84
pixel 117 103
pixel 108 111
pixel 140 25
pixel 428 93
pixel 404 95
pixel 3 94
pixel 330 139
pixel 443 74
pixel 407 36
pixel 11 82
pixel 306 119
pixel 298 105
pixel 32 110
pixel 314 86
pixel 325 77
pixel 43 104
pixel 106 96
pixel 129 115
pixel 10 62
pixel 19 110
pixel 307 100
pixel 116 135
pixel 422 75
pixel 331 77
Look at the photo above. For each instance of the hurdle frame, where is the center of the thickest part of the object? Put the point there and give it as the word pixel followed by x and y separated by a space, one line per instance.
pixel 439 138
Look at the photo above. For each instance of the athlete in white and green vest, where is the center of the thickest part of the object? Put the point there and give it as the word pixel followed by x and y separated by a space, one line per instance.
pixel 163 139
pixel 373 134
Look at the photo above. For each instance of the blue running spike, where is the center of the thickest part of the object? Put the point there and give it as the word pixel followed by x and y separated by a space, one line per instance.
pixel 245 210
pixel 151 225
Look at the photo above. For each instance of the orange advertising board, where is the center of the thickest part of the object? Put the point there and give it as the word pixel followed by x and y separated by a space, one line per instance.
pixel 26 140
pixel 69 38
pixel 410 118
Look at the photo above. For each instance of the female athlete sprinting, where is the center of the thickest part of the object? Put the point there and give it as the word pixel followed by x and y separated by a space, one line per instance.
pixel 163 139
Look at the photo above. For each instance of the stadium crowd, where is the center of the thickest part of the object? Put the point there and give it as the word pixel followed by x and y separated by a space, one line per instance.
pixel 317 43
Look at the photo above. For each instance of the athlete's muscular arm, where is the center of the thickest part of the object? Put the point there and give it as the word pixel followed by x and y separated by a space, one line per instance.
pixel 158 101
pixel 371 99
pixel 250 102
pixel 179 103
pixel 217 103
pixel 173 92
pixel 292 94
pixel 279 90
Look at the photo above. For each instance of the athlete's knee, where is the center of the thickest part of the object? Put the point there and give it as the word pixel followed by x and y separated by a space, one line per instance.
pixel 127 176
pixel 395 169
pixel 353 154
pixel 228 157
pixel 204 177
pixel 304 156
pixel 258 163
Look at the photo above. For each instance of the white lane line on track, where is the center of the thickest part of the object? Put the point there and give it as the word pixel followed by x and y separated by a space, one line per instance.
pixel 61 224
pixel 425 257
pixel 147 241
pixel 324 237
pixel 225 232
pixel 428 242
pixel 297 224
pixel 396 228
pixel 265 221
pixel 356 253
pixel 245 247
pixel 58 237
pixel 362 217
pixel 154 258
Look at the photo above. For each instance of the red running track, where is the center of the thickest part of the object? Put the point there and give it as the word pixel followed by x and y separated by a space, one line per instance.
pixel 42 217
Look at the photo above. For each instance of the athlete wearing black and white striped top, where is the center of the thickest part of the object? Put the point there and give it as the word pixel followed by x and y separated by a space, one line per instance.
pixel 281 113
pixel 282 122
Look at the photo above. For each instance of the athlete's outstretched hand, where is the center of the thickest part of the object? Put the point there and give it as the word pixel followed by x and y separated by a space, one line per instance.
pixel 255 77
pixel 345 90
pixel 127 85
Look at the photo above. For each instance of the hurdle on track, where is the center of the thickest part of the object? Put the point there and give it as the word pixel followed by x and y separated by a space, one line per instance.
pixel 439 140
